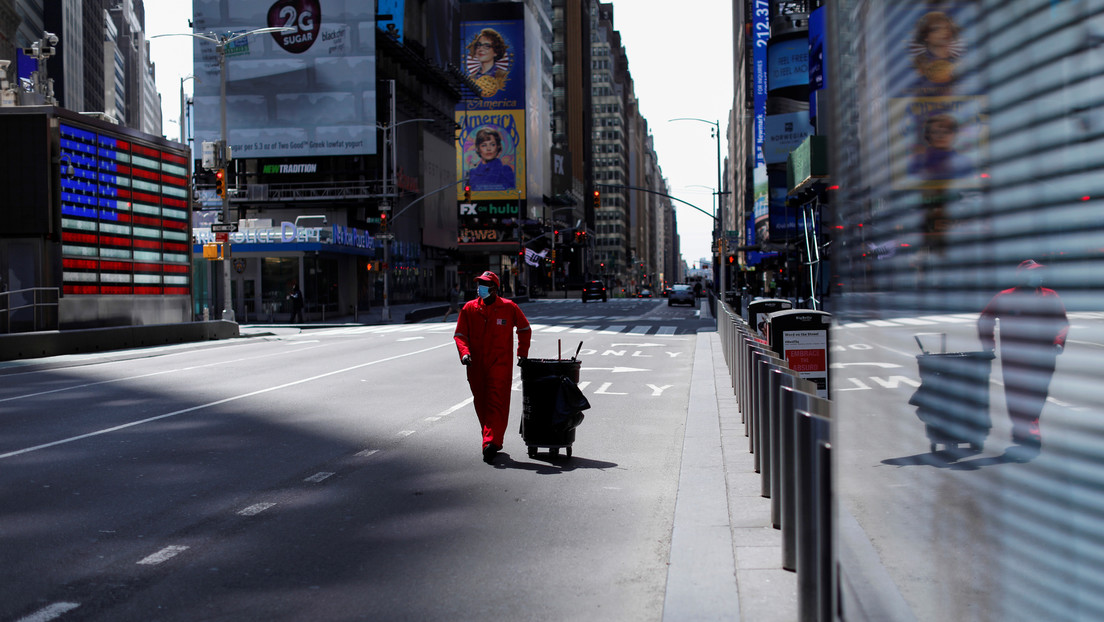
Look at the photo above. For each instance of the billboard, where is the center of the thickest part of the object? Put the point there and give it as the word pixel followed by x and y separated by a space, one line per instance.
pixel 306 93
pixel 124 214
pixel 491 150
pixel 760 35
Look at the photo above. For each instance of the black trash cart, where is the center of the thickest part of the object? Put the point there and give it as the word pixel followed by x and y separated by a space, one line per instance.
pixel 552 404
pixel 953 397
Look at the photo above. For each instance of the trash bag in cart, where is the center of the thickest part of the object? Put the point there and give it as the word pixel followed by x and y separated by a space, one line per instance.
pixel 552 403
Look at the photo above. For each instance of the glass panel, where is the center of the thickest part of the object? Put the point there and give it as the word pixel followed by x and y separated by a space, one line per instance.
pixel 968 143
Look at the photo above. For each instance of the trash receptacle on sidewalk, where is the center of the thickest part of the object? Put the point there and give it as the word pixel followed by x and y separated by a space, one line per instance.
pixel 552 404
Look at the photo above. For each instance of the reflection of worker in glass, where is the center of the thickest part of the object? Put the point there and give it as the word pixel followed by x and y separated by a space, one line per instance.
pixel 1032 327
pixel 487 62
pixel 490 173
pixel 936 158
pixel 936 47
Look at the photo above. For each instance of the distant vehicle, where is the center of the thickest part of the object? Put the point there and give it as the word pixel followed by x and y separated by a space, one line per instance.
pixel 665 292
pixel 645 293
pixel 595 290
pixel 681 294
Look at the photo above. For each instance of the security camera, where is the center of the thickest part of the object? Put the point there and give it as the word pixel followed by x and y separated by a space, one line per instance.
pixel 51 38
pixel 4 64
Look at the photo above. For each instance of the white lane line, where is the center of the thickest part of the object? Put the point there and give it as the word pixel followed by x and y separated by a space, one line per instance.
pixel 149 375
pixel 409 339
pixel 432 419
pixel 319 477
pixel 404 433
pixel 51 612
pixel 456 407
pixel 218 402
pixel 164 554
pixel 367 453
pixel 255 509
pixel 586 329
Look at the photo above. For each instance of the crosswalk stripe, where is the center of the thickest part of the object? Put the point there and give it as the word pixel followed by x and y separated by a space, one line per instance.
pixel 585 329
pixel 666 330
pixel 554 329
pixel 640 330
pixel 613 329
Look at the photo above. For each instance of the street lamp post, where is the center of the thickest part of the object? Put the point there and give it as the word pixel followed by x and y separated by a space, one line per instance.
pixel 390 191
pixel 220 42
pixel 718 217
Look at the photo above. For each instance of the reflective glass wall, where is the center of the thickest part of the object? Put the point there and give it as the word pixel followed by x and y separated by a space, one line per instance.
pixel 968 295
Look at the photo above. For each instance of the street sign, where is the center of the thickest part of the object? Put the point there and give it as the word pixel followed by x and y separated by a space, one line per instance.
pixel 224 227
pixel 222 238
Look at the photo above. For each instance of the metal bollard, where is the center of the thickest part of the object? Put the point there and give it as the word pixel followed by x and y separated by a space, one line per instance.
pixel 812 432
pixel 763 362
pixel 826 527
pixel 793 402
pixel 782 377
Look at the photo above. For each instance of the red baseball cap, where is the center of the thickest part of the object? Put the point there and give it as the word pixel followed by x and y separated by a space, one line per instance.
pixel 488 276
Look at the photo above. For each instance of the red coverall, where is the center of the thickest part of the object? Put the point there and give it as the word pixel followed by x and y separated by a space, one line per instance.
pixel 1033 328
pixel 484 332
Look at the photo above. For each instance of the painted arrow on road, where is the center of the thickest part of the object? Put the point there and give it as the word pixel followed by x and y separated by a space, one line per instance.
pixel 616 370
pixel 638 345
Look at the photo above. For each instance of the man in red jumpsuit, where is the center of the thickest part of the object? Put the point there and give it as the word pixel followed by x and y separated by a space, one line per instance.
pixel 485 343
pixel 1033 328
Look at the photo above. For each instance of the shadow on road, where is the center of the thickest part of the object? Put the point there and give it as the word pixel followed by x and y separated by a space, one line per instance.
pixel 547 464
pixel 958 459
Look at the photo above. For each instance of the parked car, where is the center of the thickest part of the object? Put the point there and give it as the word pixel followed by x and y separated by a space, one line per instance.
pixel 595 290
pixel 682 295
pixel 645 293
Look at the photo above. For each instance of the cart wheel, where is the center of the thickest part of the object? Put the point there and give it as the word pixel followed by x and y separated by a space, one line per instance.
pixel 934 448
pixel 532 452
pixel 568 451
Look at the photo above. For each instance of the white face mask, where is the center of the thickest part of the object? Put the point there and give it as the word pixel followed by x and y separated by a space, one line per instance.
pixel 483 291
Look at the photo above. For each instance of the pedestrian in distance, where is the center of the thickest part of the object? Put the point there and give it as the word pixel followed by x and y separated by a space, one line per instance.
pixel 296 298
pixel 454 302
pixel 1032 324
pixel 485 341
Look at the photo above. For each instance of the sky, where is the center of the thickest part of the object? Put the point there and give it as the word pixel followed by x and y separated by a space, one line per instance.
pixel 680 59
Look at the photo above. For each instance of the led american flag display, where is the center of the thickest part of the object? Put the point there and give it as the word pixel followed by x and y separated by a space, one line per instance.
pixel 124 216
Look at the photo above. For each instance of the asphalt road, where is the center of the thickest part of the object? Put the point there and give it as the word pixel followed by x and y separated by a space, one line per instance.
pixel 335 474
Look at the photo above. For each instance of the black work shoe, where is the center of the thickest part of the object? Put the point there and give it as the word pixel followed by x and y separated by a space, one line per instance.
pixel 490 450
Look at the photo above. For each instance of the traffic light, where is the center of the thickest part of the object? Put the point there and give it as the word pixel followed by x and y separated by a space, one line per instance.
pixel 597 199
pixel 220 182
pixel 383 221
pixel 467 193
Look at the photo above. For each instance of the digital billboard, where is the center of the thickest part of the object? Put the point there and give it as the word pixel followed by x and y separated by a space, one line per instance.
pixel 491 150
pixel 303 93
pixel 124 215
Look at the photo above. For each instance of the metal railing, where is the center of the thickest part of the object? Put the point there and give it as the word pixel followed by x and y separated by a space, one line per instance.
pixel 42 298
pixel 788 430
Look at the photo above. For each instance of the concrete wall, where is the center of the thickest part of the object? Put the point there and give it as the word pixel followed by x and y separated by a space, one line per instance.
pixel 54 343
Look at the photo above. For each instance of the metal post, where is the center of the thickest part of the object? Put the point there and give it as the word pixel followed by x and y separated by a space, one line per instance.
pixel 228 304
pixel 388 182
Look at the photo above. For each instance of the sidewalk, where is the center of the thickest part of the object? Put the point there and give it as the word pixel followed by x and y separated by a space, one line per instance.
pixel 726 559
